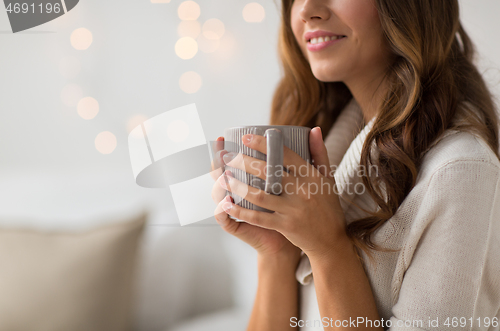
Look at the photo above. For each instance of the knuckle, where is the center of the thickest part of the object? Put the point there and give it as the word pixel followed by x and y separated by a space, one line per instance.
pixel 217 196
pixel 219 215
pixel 215 174
pixel 253 219
pixel 257 139
pixel 255 167
pixel 259 197
pixel 216 192
pixel 235 211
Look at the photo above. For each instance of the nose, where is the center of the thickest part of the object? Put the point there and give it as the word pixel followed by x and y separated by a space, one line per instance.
pixel 314 10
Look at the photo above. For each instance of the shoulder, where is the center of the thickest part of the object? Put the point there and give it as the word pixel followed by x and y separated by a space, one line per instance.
pixel 458 151
pixel 459 177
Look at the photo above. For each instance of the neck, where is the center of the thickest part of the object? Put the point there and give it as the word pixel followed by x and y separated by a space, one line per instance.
pixel 368 93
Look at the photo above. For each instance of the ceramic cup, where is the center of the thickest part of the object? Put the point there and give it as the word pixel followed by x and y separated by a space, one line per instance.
pixel 294 137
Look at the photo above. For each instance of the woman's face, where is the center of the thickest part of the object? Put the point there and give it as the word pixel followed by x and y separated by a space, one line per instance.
pixel 360 51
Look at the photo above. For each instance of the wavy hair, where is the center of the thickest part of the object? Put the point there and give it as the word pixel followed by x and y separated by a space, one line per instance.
pixel 432 83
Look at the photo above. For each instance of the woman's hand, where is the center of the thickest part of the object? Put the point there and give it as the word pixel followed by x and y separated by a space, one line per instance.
pixel 268 243
pixel 308 211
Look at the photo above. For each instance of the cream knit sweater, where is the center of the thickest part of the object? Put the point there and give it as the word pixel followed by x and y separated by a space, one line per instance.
pixel 448 229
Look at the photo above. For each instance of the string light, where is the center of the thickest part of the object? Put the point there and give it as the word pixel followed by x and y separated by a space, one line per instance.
pixel 105 142
pixel 253 13
pixel 81 39
pixel 188 10
pixel 186 48
pixel 88 108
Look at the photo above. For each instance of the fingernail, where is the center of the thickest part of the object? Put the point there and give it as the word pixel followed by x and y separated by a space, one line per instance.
pixel 247 138
pixel 221 153
pixel 227 206
pixel 229 174
pixel 228 157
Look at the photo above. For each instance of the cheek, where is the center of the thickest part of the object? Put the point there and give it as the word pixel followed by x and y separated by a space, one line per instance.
pixel 360 15
pixel 295 22
pixel 298 30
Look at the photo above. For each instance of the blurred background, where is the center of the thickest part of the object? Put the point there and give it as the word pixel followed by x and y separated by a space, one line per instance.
pixel 71 90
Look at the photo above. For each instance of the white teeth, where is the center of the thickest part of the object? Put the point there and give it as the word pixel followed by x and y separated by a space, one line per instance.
pixel 323 39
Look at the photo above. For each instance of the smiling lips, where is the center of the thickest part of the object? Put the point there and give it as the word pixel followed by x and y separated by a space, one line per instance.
pixel 320 39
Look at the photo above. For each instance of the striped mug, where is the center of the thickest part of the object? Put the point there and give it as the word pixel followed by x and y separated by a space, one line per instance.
pixel 294 137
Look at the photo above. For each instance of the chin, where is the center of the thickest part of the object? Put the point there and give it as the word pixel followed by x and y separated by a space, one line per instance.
pixel 325 78
pixel 326 75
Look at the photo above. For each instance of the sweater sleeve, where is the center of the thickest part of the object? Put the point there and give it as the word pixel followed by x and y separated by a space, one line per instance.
pixel 452 280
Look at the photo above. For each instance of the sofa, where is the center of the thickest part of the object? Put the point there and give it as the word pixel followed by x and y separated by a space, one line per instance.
pixel 87 249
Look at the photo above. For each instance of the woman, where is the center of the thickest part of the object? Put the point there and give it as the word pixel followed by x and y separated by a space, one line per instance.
pixel 392 86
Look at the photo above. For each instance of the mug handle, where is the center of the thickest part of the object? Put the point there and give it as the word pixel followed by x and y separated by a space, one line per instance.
pixel 274 161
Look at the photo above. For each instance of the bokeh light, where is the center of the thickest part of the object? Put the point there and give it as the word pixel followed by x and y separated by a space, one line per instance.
pixel 186 48
pixel 134 121
pixel 105 142
pixel 188 10
pixel 254 13
pixel 207 45
pixel 190 82
pixel 189 29
pixel 88 108
pixel 69 67
pixel 178 131
pixel 81 39
pixel 213 29
pixel 71 94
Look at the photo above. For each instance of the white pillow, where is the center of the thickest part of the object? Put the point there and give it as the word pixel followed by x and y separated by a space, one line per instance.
pixel 59 281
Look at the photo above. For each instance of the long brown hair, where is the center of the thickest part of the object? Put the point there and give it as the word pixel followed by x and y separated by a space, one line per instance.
pixel 432 82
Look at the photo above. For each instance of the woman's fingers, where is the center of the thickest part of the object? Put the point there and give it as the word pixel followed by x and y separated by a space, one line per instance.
pixel 292 161
pixel 258 218
pixel 248 233
pixel 249 164
pixel 254 195
pixel 246 163
pixel 217 166
pixel 218 192
pixel 319 153
pixel 220 215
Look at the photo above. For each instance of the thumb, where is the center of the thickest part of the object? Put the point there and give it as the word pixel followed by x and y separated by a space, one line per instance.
pixel 318 152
